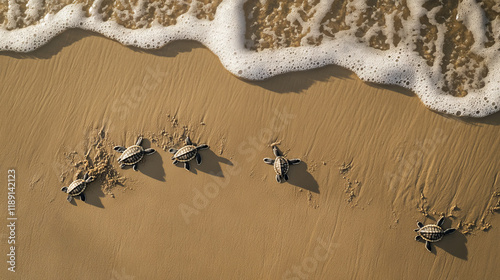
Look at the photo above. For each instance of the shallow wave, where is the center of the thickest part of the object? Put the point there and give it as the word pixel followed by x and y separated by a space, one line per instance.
pixel 447 52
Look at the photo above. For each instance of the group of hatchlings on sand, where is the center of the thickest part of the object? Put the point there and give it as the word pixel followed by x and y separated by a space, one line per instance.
pixel 134 154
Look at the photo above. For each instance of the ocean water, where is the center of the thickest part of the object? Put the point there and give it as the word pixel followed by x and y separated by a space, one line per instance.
pixel 446 51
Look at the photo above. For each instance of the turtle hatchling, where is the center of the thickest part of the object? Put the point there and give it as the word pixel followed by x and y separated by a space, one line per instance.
pixel 431 233
pixel 77 187
pixel 133 154
pixel 281 165
pixel 187 153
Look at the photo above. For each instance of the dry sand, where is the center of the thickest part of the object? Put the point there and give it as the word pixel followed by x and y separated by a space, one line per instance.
pixel 375 161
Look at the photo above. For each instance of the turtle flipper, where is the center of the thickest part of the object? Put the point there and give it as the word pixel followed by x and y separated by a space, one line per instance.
pixel 198 159
pixel 448 231
pixel 119 149
pixel 90 179
pixel 202 147
pixel 276 151
pixel 186 165
pixel 69 198
pixel 172 150
pixel 419 224
pixel 64 189
pixel 188 141
pixel 294 161
pixel 82 197
pixel 122 165
pixel 440 222
pixel 175 162
pixel 418 238
pixel 428 246
pixel 285 177
pixel 149 151
pixel 135 167
pixel 269 161
pixel 139 141
pixel 278 178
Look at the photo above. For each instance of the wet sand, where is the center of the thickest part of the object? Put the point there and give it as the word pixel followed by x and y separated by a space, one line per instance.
pixel 375 161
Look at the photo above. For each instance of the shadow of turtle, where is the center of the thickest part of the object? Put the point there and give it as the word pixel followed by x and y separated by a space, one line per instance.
pixel 93 193
pixel 300 177
pixel 73 201
pixel 151 165
pixel 210 163
pixel 453 243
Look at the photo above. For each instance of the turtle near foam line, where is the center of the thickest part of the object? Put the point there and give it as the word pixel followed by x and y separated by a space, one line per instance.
pixel 77 187
pixel 187 153
pixel 133 154
pixel 431 233
pixel 281 165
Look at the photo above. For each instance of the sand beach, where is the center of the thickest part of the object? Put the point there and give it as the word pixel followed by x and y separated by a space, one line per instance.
pixel 374 162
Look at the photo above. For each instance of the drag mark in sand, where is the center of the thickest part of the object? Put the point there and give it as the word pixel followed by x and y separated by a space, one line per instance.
pixel 350 188
pixel 496 207
pixel 247 149
pixel 96 161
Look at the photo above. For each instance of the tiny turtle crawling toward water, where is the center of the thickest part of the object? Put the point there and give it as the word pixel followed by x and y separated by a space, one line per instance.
pixel 187 153
pixel 431 233
pixel 133 154
pixel 281 165
pixel 77 187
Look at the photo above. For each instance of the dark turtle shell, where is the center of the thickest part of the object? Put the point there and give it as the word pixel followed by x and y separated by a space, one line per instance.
pixel 132 155
pixel 186 153
pixel 431 233
pixel 77 187
pixel 281 166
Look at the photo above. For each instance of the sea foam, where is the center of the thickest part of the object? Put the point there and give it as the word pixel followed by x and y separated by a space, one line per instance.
pixel 411 44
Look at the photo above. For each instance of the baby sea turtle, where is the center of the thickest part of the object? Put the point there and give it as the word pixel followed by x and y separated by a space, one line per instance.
pixel 281 165
pixel 77 187
pixel 187 153
pixel 133 154
pixel 431 233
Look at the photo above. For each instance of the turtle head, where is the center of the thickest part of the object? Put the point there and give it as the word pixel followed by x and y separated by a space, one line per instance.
pixel 276 151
